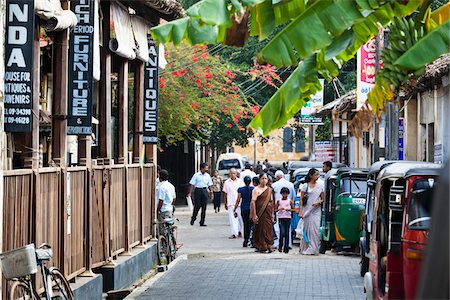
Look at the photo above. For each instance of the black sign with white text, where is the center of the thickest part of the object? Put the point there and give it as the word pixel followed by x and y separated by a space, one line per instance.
pixel 151 95
pixel 80 69
pixel 19 66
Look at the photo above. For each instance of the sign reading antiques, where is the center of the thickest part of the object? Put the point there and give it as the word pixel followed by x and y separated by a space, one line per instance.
pixel 80 69
pixel 151 95
pixel 19 65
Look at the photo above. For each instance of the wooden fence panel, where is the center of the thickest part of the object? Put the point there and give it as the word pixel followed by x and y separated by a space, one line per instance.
pixel 17 202
pixel 148 200
pixel 134 214
pixel 49 212
pixel 17 212
pixel 117 210
pixel 75 252
pixel 100 192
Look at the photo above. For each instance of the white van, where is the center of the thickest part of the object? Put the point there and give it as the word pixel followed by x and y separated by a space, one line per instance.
pixel 227 161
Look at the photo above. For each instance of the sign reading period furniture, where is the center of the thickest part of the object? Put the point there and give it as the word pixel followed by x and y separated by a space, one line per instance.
pixel 81 69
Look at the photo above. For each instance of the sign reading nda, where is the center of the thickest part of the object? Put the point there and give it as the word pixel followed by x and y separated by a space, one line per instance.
pixel 19 65
pixel 151 95
pixel 80 69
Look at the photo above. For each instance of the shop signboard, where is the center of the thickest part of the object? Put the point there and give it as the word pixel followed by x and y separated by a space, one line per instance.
pixel 151 95
pixel 81 69
pixel 311 107
pixel 401 139
pixel 18 97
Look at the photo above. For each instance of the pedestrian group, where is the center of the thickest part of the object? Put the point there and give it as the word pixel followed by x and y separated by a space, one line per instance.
pixel 260 209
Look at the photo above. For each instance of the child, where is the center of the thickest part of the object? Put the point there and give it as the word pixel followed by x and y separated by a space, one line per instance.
pixel 284 207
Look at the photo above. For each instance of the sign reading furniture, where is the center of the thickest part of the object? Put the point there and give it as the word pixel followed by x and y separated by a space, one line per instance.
pixel 19 65
pixel 81 69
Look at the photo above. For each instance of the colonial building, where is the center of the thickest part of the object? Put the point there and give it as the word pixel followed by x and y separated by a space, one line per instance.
pixel 80 112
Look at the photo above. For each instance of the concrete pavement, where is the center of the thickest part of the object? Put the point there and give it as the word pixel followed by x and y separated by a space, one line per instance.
pixel 211 266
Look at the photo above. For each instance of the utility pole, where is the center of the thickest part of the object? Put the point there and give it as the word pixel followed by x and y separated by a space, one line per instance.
pixel 311 143
pixel 254 152
pixel 391 130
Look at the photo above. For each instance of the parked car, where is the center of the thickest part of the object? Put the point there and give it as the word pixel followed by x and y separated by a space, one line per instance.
pixel 399 224
pixel 294 165
pixel 343 208
pixel 227 161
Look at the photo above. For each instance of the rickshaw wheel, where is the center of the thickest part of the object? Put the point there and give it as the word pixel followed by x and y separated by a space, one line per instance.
pixel 323 247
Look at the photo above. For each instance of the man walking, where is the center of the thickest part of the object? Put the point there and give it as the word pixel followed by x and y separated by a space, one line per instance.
pixel 200 183
pixel 166 196
pixel 247 172
pixel 280 183
pixel 230 191
pixel 327 165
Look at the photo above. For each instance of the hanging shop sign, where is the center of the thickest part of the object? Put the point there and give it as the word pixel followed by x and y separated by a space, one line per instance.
pixel 311 107
pixel 151 95
pixel 81 69
pixel 401 139
pixel 366 61
pixel 18 97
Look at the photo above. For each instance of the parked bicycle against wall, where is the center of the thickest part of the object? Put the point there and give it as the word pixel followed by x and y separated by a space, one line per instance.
pixel 20 264
pixel 167 241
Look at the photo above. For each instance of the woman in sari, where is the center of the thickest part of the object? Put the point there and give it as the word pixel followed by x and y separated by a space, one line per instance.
pixel 311 213
pixel 261 212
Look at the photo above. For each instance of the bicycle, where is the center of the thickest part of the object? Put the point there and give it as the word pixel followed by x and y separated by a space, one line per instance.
pixel 19 266
pixel 167 242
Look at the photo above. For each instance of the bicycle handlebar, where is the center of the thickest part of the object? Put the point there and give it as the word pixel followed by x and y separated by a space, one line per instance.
pixel 44 246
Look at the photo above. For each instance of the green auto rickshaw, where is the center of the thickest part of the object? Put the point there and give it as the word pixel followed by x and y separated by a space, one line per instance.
pixel 343 209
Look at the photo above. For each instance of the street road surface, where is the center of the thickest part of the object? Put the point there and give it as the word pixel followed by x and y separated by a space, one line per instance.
pixel 211 266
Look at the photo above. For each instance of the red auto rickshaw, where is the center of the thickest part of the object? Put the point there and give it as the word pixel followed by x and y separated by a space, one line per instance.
pixel 400 223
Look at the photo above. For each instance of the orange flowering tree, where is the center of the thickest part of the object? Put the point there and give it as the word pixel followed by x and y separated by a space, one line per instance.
pixel 200 99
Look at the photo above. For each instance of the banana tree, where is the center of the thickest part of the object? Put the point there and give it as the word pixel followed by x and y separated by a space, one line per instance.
pixel 318 38
pixel 413 43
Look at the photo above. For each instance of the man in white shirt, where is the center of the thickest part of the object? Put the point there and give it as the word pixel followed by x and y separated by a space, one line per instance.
pixel 200 183
pixel 166 196
pixel 247 172
pixel 230 191
pixel 277 186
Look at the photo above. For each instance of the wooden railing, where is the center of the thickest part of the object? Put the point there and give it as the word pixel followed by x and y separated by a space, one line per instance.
pixel 88 215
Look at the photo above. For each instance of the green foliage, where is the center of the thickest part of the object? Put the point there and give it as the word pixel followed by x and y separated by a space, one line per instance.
pixel 200 100
pixel 320 34
pixel 323 132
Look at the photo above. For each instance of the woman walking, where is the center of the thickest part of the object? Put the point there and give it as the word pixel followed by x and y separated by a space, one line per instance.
pixel 245 194
pixel 311 194
pixel 261 211
pixel 217 190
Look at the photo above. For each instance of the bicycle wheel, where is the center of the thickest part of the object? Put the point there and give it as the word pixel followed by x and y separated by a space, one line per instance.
pixel 20 291
pixel 60 287
pixel 163 250
pixel 172 246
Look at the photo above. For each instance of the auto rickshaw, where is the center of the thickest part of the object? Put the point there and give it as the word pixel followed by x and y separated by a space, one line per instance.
pixel 399 224
pixel 364 244
pixel 343 209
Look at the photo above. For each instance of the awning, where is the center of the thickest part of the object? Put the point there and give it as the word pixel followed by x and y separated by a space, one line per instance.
pixel 53 16
pixel 140 30
pixel 166 9
pixel 342 104
pixel 122 42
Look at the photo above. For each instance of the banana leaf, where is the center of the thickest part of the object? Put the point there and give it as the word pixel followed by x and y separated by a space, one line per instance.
pixel 289 99
pixel 430 47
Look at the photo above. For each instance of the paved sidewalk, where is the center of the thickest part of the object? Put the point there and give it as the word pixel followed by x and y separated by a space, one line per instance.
pixel 211 266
